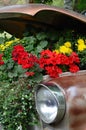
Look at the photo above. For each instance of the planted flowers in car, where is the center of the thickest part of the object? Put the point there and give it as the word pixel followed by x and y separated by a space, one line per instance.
pixel 24 62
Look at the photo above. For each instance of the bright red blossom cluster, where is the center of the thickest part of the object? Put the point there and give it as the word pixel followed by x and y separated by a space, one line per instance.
pixel 27 60
pixel 1 60
pixel 52 62
pixel 49 61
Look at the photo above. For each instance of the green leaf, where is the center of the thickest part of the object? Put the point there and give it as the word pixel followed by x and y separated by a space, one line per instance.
pixel 29 48
pixel 43 44
pixel 10 65
pixel 2 67
pixel 28 40
pixel 18 69
pixel 39 49
pixel 41 36
pixel 37 78
pixel 10 75
pixel 2 40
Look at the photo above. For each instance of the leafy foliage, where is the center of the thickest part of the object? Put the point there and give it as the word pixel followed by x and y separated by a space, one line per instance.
pixel 80 5
pixel 16 88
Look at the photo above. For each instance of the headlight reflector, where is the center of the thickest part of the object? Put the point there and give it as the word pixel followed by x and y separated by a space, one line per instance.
pixel 48 104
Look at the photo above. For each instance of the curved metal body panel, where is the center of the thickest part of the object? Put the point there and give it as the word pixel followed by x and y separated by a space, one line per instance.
pixel 15 19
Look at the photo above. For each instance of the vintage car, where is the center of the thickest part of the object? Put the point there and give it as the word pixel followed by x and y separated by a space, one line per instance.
pixel 60 102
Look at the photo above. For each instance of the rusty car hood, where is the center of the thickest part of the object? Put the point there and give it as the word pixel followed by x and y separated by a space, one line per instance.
pixel 14 19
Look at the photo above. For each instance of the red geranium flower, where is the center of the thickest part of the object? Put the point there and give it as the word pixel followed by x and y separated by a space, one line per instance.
pixel 73 68
pixel 52 62
pixel 23 58
pixel 29 73
pixel 53 71
pixel 73 58
pixel 1 60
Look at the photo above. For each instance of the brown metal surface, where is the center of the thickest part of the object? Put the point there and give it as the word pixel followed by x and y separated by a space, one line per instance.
pixel 74 88
pixel 14 19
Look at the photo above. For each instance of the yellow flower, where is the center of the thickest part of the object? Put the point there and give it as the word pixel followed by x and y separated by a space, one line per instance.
pixel 80 41
pixel 70 50
pixel 81 47
pixel 67 44
pixel 2 47
pixel 7 44
pixel 64 49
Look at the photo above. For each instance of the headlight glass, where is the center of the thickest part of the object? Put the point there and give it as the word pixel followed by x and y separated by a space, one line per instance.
pixel 47 105
pixel 50 102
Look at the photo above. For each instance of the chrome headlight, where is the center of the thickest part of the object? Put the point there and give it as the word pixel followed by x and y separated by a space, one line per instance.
pixel 50 102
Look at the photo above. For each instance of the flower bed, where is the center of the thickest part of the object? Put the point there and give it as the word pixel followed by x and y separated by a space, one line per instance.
pixel 23 62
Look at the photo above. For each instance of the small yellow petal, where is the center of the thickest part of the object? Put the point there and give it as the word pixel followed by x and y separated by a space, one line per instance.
pixel 67 44
pixel 80 41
